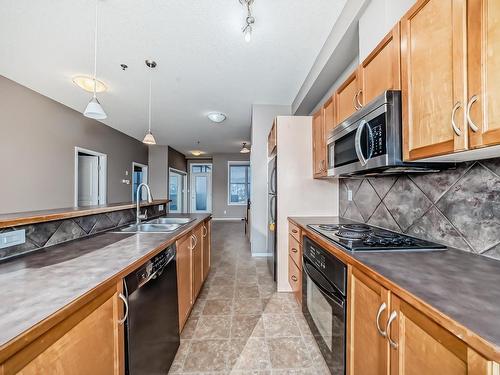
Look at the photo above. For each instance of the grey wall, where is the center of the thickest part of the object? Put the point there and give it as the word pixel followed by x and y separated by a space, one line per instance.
pixel 176 160
pixel 219 187
pixel 158 171
pixel 37 141
pixel 459 207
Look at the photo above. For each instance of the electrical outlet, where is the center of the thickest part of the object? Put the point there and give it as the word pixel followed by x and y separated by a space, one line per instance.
pixel 349 195
pixel 161 207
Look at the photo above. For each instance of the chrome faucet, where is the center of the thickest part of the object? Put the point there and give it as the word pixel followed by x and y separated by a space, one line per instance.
pixel 138 216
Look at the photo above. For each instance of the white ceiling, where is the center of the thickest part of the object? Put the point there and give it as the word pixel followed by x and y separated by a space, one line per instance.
pixel 203 62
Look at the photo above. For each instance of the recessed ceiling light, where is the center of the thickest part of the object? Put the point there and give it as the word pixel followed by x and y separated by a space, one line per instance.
pixel 87 83
pixel 216 117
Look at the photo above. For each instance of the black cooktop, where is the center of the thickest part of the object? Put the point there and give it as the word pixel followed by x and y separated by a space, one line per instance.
pixel 363 237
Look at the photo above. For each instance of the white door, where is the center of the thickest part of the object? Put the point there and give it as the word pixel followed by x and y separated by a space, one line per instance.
pixel 201 192
pixel 88 180
pixel 176 191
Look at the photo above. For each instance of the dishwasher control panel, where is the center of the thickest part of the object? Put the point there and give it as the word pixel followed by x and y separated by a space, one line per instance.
pixel 151 268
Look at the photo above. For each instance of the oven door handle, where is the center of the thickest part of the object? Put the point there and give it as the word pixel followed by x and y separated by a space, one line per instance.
pixel 357 142
pixel 337 300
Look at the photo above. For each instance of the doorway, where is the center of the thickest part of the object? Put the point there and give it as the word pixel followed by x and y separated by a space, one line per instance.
pixel 201 187
pixel 177 181
pixel 90 177
pixel 139 175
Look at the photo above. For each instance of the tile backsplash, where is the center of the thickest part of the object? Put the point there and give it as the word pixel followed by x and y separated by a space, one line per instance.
pixel 51 233
pixel 457 207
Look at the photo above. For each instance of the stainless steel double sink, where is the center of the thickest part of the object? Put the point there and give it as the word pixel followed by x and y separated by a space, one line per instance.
pixel 160 225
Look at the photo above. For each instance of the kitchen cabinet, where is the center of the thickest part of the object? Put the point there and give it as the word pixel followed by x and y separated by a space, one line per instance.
pixel 368 349
pixel 88 341
pixel 483 104
pixel 387 335
pixel 319 145
pixel 184 278
pixel 197 259
pixel 381 70
pixel 206 248
pixel 347 99
pixel 295 261
pixel 329 119
pixel 272 140
pixel 433 67
pixel 295 280
pixel 193 265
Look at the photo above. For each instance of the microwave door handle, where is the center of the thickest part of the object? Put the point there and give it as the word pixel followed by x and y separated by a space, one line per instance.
pixel 357 143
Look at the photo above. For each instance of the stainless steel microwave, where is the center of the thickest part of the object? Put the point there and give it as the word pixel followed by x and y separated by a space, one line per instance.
pixel 370 142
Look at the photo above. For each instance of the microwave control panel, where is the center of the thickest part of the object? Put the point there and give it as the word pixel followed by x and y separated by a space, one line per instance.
pixel 378 144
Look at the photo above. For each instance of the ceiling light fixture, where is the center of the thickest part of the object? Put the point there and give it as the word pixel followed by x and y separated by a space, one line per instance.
pixel 94 109
pixel 87 83
pixel 216 117
pixel 148 138
pixel 249 21
pixel 197 152
pixel 244 149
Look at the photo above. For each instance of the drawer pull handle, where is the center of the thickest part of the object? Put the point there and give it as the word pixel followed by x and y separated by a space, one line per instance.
pixel 295 231
pixel 125 302
pixel 294 250
pixel 382 307
pixel 294 278
pixel 393 316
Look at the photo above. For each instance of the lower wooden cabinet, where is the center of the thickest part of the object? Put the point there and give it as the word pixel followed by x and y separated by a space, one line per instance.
pixel 88 341
pixel 295 279
pixel 387 335
pixel 193 264
pixel 295 261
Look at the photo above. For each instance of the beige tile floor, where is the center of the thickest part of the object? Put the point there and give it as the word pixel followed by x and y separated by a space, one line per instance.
pixel 240 325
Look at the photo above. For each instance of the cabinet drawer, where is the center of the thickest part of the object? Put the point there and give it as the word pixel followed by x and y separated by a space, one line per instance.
pixel 295 279
pixel 294 230
pixel 294 251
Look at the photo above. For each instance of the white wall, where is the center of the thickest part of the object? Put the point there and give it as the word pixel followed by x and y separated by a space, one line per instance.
pixel 158 171
pixel 377 20
pixel 262 120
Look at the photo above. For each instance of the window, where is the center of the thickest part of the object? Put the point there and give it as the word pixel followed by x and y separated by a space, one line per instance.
pixel 201 168
pixel 238 182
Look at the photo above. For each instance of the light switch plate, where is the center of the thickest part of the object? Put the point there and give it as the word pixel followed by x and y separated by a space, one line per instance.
pixel 349 195
pixel 12 238
pixel 161 207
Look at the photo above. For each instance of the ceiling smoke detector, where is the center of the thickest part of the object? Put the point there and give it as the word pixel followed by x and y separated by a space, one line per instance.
pixel 216 117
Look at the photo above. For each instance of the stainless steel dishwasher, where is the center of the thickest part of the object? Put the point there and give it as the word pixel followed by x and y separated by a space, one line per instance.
pixel 152 322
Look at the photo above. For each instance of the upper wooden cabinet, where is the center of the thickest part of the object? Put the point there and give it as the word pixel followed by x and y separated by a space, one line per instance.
pixel 434 62
pixel 329 117
pixel 272 140
pixel 319 145
pixel 381 70
pixel 483 72
pixel 347 99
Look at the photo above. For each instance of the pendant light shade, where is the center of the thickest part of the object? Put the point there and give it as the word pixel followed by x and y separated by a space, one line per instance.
pixel 244 149
pixel 149 139
pixel 94 110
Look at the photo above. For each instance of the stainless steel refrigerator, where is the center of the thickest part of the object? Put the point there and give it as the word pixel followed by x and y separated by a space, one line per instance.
pixel 272 193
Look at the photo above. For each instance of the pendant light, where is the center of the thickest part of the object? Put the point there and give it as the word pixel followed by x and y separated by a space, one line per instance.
pixel 148 138
pixel 244 149
pixel 94 109
pixel 249 21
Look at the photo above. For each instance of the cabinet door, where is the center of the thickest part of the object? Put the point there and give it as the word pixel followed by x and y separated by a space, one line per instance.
pixel 329 117
pixel 484 72
pixel 319 145
pixel 347 97
pixel 433 64
pixel 295 280
pixel 89 341
pixel 206 248
pixel 197 260
pixel 381 70
pixel 423 347
pixel 368 349
pixel 184 278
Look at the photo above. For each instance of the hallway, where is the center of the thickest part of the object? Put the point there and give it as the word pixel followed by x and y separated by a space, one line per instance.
pixel 240 325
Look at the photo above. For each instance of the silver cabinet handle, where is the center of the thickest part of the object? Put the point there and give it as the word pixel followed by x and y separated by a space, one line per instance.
pixel 473 126
pixel 382 307
pixel 357 143
pixel 294 250
pixel 125 302
pixel 357 99
pixel 294 278
pixel 192 242
pixel 205 231
pixel 453 124
pixel 393 316
pixel 195 240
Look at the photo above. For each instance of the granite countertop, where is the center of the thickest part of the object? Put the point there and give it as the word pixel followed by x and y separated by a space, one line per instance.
pixel 36 286
pixel 461 285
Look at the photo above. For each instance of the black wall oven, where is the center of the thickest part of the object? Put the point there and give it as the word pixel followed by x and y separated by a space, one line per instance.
pixel 324 303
